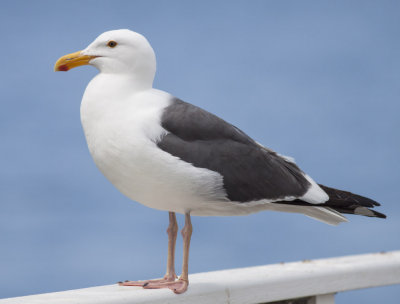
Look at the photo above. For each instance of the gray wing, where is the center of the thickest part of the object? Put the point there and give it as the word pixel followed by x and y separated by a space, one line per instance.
pixel 250 172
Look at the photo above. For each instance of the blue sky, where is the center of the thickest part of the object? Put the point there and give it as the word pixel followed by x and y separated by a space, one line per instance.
pixel 316 80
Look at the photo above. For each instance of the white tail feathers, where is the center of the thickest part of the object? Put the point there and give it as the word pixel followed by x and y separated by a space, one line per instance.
pixel 322 214
pixel 325 215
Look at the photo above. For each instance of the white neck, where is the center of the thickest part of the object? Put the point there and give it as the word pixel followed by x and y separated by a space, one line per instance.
pixel 115 86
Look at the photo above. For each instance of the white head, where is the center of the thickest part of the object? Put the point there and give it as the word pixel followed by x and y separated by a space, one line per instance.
pixel 115 52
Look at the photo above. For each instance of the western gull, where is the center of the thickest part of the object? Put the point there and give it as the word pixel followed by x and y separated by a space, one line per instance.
pixel 171 155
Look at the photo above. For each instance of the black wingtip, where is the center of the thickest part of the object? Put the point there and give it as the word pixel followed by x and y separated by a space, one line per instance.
pixel 378 214
pixel 345 198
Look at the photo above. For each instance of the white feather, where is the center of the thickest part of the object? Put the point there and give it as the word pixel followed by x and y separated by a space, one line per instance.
pixel 314 195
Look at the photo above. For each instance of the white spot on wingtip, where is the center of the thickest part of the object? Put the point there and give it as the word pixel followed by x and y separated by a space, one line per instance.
pixel 363 211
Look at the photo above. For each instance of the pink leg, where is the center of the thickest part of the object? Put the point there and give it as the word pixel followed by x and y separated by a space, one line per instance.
pixel 181 285
pixel 170 275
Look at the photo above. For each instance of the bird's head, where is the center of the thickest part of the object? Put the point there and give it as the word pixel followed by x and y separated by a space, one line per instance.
pixel 117 52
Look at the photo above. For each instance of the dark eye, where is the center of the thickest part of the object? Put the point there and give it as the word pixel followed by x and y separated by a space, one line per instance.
pixel 111 44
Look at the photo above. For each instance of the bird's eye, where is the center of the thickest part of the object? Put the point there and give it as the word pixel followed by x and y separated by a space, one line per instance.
pixel 111 44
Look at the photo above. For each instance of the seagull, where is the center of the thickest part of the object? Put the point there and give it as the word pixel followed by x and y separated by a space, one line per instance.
pixel 171 155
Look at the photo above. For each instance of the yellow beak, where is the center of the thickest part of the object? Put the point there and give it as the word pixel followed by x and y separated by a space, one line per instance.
pixel 71 61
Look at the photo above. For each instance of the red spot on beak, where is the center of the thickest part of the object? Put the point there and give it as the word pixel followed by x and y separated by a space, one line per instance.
pixel 63 68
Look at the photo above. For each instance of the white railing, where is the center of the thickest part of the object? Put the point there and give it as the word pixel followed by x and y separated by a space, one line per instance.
pixel 317 280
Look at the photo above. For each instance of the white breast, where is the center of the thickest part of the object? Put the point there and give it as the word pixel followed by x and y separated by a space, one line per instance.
pixel 121 129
